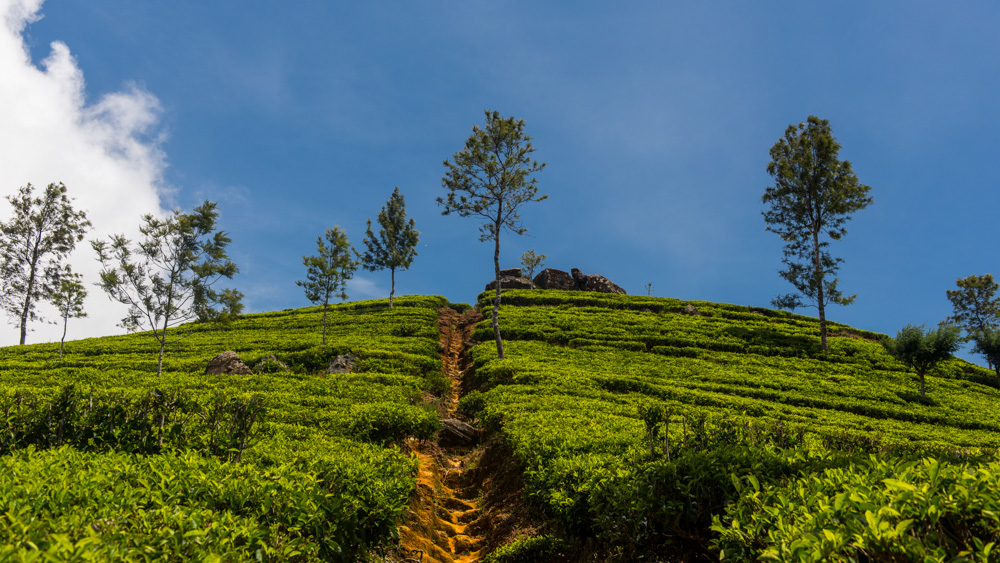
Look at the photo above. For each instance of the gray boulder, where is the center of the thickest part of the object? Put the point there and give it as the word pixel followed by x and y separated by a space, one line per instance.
pixel 511 272
pixel 550 278
pixel 227 363
pixel 342 364
pixel 454 432
pixel 509 282
pixel 593 282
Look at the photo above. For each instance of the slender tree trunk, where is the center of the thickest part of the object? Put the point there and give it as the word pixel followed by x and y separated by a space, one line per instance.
pixel 159 361
pixel 997 370
pixel 63 341
pixel 163 336
pixel 392 290
pixel 24 314
pixel 496 300
pixel 923 394
pixel 324 320
pixel 818 273
pixel 32 269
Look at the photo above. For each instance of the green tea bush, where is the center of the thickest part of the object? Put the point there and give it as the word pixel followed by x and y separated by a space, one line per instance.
pixel 740 394
pixel 532 549
pixel 872 510
pixel 66 505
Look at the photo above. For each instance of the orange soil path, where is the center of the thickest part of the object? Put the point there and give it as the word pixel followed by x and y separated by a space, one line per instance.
pixel 440 525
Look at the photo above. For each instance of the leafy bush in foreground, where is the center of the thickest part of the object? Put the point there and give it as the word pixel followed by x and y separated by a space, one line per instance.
pixel 61 504
pixel 870 510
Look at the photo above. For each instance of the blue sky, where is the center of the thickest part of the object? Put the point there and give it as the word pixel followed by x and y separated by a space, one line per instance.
pixel 655 120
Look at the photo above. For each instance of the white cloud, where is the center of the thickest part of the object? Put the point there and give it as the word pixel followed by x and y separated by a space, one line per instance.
pixel 106 152
pixel 360 287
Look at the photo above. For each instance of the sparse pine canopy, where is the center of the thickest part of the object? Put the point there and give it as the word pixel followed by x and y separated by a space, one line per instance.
pixel 395 247
pixel 490 179
pixel 68 298
pixel 328 271
pixel 531 262
pixel 923 350
pixel 987 343
pixel 975 304
pixel 34 243
pixel 167 278
pixel 813 196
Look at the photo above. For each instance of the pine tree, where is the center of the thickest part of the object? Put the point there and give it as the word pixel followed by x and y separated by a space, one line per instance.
pixel 327 272
pixel 814 194
pixel 490 179
pixel 395 247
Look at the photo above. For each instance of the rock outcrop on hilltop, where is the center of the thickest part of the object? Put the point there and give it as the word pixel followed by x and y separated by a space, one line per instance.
pixel 550 278
pixel 593 282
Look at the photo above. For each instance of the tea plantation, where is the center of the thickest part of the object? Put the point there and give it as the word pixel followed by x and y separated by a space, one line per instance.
pixel 645 429
pixel 657 430
pixel 104 461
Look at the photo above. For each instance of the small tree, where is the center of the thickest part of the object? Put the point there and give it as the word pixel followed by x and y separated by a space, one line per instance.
pixel 531 262
pixel 327 272
pixel 649 289
pixel 395 247
pixel 167 278
pixel 923 350
pixel 34 243
pixel 490 179
pixel 68 298
pixel 987 343
pixel 975 305
pixel 814 194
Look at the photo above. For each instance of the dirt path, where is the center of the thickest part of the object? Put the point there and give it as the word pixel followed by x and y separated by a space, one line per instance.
pixel 441 524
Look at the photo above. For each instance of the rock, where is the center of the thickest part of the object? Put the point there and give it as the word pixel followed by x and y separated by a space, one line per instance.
pixel 596 283
pixel 227 363
pixel 270 364
pixel 454 432
pixel 689 309
pixel 511 272
pixel 550 278
pixel 342 364
pixel 509 282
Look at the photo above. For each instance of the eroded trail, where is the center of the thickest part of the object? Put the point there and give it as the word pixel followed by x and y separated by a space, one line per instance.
pixel 444 524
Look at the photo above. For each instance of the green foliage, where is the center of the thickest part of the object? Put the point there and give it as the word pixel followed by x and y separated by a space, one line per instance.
pixel 167 278
pixel 871 510
pixel 395 247
pixel 531 262
pixel 150 423
pixel 630 416
pixel 531 549
pixel 492 176
pixel 328 443
pixel 976 307
pixel 33 245
pixel 987 343
pixel 814 194
pixel 923 350
pixel 68 298
pixel 327 272
pixel 490 179
pixel 65 505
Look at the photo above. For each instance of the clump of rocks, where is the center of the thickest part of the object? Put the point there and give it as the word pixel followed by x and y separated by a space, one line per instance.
pixel 227 363
pixel 550 278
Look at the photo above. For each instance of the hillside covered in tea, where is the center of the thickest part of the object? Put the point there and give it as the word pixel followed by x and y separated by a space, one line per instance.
pixel 623 428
